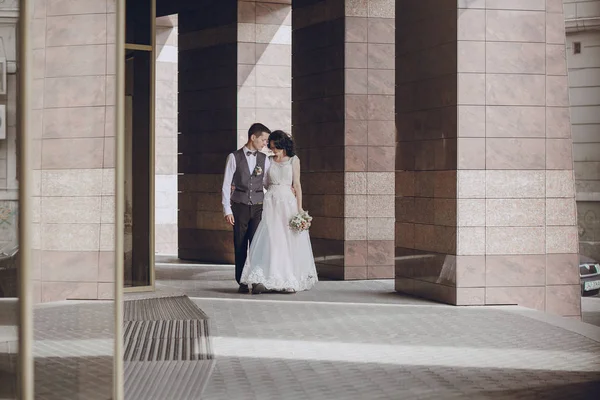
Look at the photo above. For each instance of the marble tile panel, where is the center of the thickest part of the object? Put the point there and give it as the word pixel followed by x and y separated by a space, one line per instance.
pixel 506 271
pixel 82 91
pixel 558 122
pixel 355 228
pixel 471 89
pixel 75 7
pixel 530 297
pixel 472 25
pixel 515 26
pixel 471 56
pixel 71 210
pixel 471 212
pixel 556 61
pixel 355 253
pixel 555 28
pixel 82 153
pixel 69 266
pixel 557 91
pixel 471 121
pixel 73 30
pixel 515 212
pixel 380 272
pixel 381 30
pixel 357 29
pixel 355 273
pixel 515 89
pixel 72 182
pixel 515 121
pixel 562 269
pixel 471 153
pixel 560 183
pixel 71 237
pixel 562 239
pixel 514 184
pixel 564 299
pixel 470 296
pixel 470 271
pixel 471 184
pixel 58 291
pixel 530 5
pixel 515 58
pixel 381 229
pixel 380 252
pixel 471 241
pixel 515 240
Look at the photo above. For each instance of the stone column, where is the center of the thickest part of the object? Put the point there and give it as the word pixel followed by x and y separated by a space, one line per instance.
pixel 234 66
pixel 264 65
pixel 73 129
pixel 343 122
pixel 515 239
pixel 166 136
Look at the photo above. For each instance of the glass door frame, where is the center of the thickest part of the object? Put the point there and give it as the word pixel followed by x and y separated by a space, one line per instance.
pixel 152 150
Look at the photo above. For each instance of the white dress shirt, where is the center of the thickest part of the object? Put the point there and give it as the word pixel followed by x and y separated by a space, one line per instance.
pixel 230 169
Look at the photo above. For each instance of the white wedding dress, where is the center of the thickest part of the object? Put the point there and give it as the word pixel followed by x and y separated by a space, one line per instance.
pixel 279 258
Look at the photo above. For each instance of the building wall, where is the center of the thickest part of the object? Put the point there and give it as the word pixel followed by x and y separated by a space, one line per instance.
pixel 426 161
pixel 234 67
pixel 264 66
pixel 8 145
pixel 515 218
pixel 583 26
pixel 73 149
pixel 343 111
pixel 166 131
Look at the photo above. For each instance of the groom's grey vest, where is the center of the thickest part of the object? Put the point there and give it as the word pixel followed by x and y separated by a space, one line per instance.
pixel 248 185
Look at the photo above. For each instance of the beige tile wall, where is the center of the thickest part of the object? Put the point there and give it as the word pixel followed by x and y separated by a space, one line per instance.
pixel 512 166
pixel 264 65
pixel 515 92
pixel 74 147
pixel 166 137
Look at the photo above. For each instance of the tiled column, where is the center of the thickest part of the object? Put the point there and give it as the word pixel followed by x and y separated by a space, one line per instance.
pixel 73 94
pixel 234 66
pixel 264 65
pixel 426 162
pixel 516 238
pixel 343 122
pixel 166 136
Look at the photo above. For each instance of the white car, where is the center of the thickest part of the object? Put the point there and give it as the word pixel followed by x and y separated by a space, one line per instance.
pixel 589 276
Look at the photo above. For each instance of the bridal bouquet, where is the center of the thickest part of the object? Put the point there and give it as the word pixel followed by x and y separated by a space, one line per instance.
pixel 300 222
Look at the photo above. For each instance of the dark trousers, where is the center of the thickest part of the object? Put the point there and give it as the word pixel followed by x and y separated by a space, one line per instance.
pixel 247 219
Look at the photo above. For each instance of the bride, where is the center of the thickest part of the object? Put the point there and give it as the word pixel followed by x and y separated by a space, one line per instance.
pixel 279 258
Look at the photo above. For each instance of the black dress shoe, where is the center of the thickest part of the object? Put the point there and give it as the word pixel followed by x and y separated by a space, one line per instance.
pixel 258 288
pixel 243 289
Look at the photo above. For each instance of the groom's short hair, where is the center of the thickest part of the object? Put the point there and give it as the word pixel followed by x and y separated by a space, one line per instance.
pixel 257 130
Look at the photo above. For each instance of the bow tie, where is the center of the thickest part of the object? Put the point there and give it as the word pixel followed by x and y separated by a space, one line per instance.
pixel 251 153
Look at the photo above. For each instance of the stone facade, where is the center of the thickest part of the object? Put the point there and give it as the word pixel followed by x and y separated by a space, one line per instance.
pixel 343 112
pixel 166 136
pixel 73 149
pixel 583 27
pixel 234 67
pixel 435 140
pixel 503 229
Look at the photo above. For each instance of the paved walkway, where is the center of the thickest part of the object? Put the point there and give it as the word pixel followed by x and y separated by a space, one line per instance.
pixel 360 340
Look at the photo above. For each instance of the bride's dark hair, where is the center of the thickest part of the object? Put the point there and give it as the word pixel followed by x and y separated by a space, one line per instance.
pixel 282 141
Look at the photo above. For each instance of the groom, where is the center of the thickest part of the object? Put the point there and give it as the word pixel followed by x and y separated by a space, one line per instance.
pixel 245 171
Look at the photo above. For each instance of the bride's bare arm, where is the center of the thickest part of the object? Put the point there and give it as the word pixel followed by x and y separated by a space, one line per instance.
pixel 296 182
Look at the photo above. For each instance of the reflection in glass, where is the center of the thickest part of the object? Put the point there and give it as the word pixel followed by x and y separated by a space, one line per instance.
pixel 138 167
pixel 9 212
